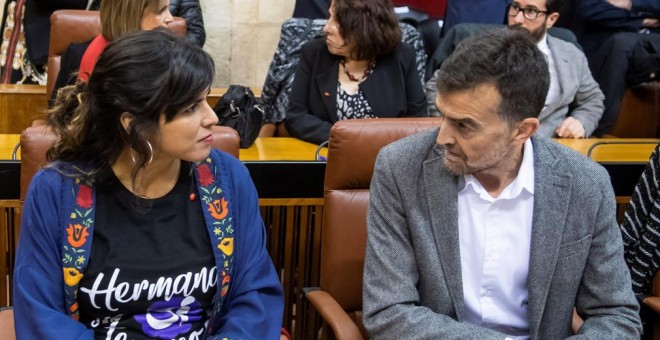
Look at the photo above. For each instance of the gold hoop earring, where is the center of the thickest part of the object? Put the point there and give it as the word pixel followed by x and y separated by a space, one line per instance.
pixel 151 154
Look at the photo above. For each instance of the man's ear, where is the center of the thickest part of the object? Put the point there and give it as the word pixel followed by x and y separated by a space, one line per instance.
pixel 552 19
pixel 125 119
pixel 525 129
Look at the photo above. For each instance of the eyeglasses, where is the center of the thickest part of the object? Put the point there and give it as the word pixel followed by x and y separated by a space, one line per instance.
pixel 528 13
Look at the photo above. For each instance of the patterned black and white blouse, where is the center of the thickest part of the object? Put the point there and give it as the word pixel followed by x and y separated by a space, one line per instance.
pixel 352 106
pixel 641 227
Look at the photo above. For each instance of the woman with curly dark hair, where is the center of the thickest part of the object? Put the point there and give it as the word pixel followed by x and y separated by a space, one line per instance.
pixel 178 241
pixel 360 69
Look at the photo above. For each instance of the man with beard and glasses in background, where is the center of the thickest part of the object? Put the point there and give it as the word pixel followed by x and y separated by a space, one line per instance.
pixel 574 102
pixel 480 230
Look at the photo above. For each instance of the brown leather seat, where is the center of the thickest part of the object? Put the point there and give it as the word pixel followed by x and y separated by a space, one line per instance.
pixel 7 324
pixel 36 140
pixel 352 151
pixel 71 26
pixel 639 114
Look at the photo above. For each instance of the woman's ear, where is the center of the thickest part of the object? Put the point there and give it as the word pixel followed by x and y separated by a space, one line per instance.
pixel 125 119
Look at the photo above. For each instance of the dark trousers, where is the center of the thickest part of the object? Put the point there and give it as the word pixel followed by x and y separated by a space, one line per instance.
pixel 618 65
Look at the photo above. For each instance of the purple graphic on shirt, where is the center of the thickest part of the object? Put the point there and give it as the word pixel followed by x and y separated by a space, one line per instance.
pixel 167 319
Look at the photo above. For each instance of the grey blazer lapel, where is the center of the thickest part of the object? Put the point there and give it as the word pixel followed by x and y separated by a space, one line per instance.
pixel 552 190
pixel 442 199
pixel 562 66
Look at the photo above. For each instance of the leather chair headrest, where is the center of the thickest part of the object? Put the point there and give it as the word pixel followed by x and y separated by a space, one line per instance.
pixel 70 26
pixel 354 145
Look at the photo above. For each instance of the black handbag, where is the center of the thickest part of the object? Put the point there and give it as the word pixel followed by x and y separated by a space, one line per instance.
pixel 239 109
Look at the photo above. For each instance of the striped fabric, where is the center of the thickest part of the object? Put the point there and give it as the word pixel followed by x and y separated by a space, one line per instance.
pixel 641 227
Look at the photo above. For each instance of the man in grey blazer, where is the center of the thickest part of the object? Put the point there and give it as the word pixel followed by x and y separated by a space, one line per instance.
pixel 477 230
pixel 574 102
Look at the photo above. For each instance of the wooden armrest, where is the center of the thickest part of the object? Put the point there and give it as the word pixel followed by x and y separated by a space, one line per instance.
pixel 332 313
pixel 653 302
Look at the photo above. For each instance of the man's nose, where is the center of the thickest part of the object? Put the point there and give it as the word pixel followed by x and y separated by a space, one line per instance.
pixel 445 135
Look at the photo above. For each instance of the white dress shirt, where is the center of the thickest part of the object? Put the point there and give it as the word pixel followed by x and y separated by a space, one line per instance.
pixel 554 91
pixel 495 236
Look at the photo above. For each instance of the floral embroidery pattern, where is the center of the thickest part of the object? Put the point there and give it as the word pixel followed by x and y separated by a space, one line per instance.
pixel 220 226
pixel 77 243
pixel 84 198
pixel 77 235
pixel 205 176
pixel 218 208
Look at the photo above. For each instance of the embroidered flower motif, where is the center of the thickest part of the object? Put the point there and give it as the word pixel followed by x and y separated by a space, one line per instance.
pixel 84 198
pixel 77 235
pixel 225 285
pixel 227 245
pixel 71 276
pixel 205 176
pixel 218 209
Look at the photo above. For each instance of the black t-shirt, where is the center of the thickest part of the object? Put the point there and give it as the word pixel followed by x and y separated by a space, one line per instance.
pixel 151 273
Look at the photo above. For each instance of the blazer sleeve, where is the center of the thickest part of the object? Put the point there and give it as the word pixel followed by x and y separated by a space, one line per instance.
pixel 601 14
pixel 415 96
pixel 604 298
pixel 300 121
pixel 255 304
pixel 191 11
pixel 651 6
pixel 587 106
pixel 39 308
pixel 390 297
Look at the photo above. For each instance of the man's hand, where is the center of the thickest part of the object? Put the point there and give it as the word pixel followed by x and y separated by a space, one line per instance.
pixel 623 4
pixel 650 23
pixel 570 128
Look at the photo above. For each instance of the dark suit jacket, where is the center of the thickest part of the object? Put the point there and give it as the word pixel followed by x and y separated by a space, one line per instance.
pixel 392 90
pixel 651 6
pixel 36 24
pixel 311 9
pixel 474 11
pixel 598 20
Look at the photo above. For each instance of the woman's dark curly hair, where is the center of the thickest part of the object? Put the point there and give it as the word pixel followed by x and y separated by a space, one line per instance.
pixel 146 74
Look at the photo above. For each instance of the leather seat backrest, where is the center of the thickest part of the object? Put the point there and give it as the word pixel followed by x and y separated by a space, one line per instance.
pixel 36 140
pixel 71 26
pixel 352 150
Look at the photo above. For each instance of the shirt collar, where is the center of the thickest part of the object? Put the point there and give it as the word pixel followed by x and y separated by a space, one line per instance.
pixel 543 45
pixel 523 181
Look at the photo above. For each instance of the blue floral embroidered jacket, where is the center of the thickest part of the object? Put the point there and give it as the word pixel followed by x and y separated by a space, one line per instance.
pixel 56 236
